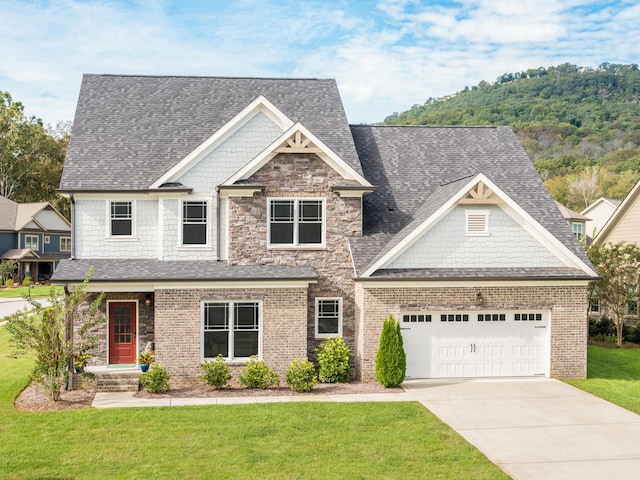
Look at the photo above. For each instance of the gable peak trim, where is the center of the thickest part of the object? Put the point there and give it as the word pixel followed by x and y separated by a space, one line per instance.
pixel 298 143
pixel 481 194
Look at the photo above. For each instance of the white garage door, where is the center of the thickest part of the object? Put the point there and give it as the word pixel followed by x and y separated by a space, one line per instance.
pixel 476 344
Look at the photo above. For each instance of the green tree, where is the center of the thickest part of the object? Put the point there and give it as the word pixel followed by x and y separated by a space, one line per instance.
pixel 46 333
pixel 619 268
pixel 391 360
pixel 31 159
pixel 7 267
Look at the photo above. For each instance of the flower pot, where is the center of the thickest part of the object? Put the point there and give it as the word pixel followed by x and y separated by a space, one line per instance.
pixel 144 367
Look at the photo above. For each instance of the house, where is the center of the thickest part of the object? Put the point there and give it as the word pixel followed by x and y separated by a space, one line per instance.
pixel 624 223
pixel 599 212
pixel 576 221
pixel 35 235
pixel 245 216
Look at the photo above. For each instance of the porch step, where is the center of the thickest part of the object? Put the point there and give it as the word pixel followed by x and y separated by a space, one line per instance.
pixel 117 381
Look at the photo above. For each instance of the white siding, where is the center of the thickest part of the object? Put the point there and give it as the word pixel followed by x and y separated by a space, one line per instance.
pixel 51 221
pixel 91 240
pixel 599 216
pixel 507 244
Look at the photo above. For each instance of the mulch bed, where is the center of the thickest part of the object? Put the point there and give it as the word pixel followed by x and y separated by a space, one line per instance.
pixel 33 398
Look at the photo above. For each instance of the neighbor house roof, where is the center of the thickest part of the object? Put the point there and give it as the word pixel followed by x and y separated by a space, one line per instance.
pixel 14 216
pixel 612 202
pixel 628 205
pixel 416 169
pixel 130 130
pixel 569 214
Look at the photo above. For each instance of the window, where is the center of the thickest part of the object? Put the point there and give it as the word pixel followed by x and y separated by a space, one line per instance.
pixel 47 239
pixel 231 329
pixel 31 241
pixel 477 222
pixel 194 223
pixel 576 227
pixel 121 216
pixel 296 222
pixel 594 306
pixel 328 317
pixel 65 244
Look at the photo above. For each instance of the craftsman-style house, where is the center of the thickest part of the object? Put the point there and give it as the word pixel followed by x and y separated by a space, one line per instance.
pixel 34 235
pixel 243 216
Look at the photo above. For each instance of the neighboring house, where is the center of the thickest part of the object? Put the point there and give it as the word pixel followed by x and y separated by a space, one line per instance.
pixel 35 235
pixel 624 224
pixel 243 216
pixel 599 212
pixel 575 220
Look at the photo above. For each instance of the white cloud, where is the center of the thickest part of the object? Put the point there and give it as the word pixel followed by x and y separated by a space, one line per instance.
pixel 384 60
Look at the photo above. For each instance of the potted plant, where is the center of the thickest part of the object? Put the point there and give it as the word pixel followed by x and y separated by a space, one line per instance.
pixel 145 359
pixel 79 362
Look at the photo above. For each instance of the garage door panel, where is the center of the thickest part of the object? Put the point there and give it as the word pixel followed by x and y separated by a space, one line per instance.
pixel 485 344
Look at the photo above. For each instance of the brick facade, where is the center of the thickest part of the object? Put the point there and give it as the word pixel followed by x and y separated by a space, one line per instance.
pixel 567 304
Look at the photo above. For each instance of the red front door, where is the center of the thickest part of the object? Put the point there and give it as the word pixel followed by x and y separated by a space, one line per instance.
pixel 122 332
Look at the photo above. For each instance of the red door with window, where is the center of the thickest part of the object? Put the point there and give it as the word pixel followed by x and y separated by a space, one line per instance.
pixel 122 332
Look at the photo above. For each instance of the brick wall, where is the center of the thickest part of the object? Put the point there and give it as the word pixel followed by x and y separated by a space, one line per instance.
pixel 567 304
pixel 178 326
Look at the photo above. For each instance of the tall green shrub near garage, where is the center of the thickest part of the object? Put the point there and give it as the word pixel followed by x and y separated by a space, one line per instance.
pixel 391 361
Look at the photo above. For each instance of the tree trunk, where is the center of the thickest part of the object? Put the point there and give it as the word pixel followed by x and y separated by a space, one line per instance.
pixel 619 326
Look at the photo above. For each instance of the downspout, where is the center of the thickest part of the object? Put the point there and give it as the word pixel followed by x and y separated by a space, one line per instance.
pixel 217 223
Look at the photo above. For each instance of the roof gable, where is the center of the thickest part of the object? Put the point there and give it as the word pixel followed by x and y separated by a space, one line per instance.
pixel 147 125
pixel 259 105
pixel 298 139
pixel 438 206
pixel 619 217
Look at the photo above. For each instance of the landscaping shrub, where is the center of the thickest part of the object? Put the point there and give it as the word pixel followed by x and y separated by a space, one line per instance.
pixel 156 379
pixel 216 372
pixel 8 282
pixel 604 326
pixel 256 374
pixel 391 360
pixel 333 360
pixel 26 281
pixel 301 376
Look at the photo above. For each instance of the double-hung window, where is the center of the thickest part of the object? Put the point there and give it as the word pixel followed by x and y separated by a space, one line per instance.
pixel 231 329
pixel 31 242
pixel 296 222
pixel 121 219
pixel 328 317
pixel 576 227
pixel 194 223
pixel 65 244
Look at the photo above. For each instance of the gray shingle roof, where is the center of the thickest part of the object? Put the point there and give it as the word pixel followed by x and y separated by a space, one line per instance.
pixel 147 124
pixel 14 216
pixel 134 270
pixel 417 168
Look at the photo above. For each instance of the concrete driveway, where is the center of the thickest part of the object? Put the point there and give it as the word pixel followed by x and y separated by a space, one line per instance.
pixel 537 428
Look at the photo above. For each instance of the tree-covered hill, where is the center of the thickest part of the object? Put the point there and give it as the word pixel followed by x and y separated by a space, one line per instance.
pixel 580 126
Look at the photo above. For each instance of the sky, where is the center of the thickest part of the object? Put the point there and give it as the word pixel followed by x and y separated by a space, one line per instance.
pixel 385 55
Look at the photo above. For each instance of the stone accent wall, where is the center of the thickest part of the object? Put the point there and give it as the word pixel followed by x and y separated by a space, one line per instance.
pixel 568 306
pixel 310 177
pixel 179 325
pixel 99 355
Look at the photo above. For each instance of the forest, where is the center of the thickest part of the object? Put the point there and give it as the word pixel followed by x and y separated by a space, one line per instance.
pixel 580 126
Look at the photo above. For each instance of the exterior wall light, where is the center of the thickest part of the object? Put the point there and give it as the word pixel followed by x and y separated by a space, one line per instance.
pixel 479 299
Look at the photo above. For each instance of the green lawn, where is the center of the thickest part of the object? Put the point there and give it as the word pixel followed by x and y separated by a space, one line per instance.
pixel 38 291
pixel 613 374
pixel 305 440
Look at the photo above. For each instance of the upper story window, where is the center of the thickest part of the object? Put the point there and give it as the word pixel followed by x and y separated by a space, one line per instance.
pixel 194 223
pixel 576 227
pixel 296 222
pixel 47 239
pixel 31 242
pixel 477 222
pixel 65 244
pixel 121 219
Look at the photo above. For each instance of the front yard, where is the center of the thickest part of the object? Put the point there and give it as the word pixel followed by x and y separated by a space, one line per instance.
pixel 302 440
pixel 37 291
pixel 613 374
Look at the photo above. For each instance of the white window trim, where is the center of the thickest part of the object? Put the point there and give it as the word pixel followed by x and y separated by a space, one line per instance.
pixel 328 335
pixel 578 234
pixel 65 249
pixel 469 213
pixel 133 235
pixel 231 319
pixel 30 236
pixel 207 245
pixel 295 244
pixel 47 239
